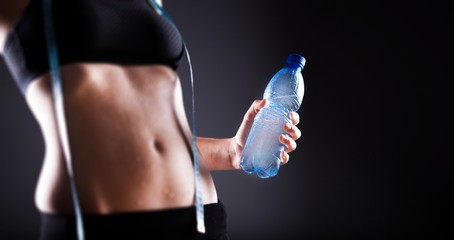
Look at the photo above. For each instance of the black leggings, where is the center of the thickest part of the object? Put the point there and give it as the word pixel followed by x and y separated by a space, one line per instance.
pixel 179 223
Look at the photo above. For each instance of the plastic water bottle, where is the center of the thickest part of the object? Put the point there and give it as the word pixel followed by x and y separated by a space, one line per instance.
pixel 284 93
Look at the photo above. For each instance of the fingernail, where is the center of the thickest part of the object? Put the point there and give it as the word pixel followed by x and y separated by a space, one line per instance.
pixel 285 137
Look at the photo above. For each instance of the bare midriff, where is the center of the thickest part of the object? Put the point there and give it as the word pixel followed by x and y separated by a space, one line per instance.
pixel 128 137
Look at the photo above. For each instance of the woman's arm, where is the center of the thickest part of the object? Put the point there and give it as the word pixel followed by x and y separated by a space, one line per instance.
pixel 216 153
pixel 224 154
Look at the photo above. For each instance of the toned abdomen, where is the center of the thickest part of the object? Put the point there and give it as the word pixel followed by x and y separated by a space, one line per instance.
pixel 127 131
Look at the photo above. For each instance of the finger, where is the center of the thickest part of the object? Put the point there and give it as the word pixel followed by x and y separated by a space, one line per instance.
pixel 290 144
pixel 295 117
pixel 284 157
pixel 293 131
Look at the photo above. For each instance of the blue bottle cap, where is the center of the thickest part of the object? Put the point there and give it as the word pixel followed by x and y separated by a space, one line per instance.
pixel 296 59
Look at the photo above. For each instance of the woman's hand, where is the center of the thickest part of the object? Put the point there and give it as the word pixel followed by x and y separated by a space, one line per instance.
pixel 289 139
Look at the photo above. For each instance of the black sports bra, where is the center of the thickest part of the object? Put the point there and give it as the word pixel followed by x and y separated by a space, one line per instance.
pixel 109 31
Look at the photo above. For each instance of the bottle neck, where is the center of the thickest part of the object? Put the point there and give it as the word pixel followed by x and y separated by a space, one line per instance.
pixel 294 65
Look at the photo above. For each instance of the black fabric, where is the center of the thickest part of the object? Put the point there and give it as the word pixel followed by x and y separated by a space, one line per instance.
pixel 179 223
pixel 103 31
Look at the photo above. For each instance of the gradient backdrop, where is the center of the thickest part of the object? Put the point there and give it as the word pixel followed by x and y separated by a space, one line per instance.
pixel 373 159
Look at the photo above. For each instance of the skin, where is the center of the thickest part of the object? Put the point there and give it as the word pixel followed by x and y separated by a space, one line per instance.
pixel 128 137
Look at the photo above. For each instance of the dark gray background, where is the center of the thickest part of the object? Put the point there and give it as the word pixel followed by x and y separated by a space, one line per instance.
pixel 373 159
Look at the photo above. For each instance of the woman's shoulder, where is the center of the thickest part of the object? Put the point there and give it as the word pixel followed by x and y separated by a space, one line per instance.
pixel 10 11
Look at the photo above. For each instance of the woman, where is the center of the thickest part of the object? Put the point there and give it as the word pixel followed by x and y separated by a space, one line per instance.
pixel 125 119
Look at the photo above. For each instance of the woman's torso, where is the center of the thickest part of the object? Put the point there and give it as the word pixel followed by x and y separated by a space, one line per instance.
pixel 127 131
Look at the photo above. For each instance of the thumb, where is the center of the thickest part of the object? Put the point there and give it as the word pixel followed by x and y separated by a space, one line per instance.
pixel 256 106
pixel 248 119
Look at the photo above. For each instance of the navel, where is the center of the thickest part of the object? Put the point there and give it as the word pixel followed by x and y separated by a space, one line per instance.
pixel 159 146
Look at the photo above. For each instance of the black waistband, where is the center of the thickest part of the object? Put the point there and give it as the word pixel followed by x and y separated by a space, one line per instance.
pixel 178 223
